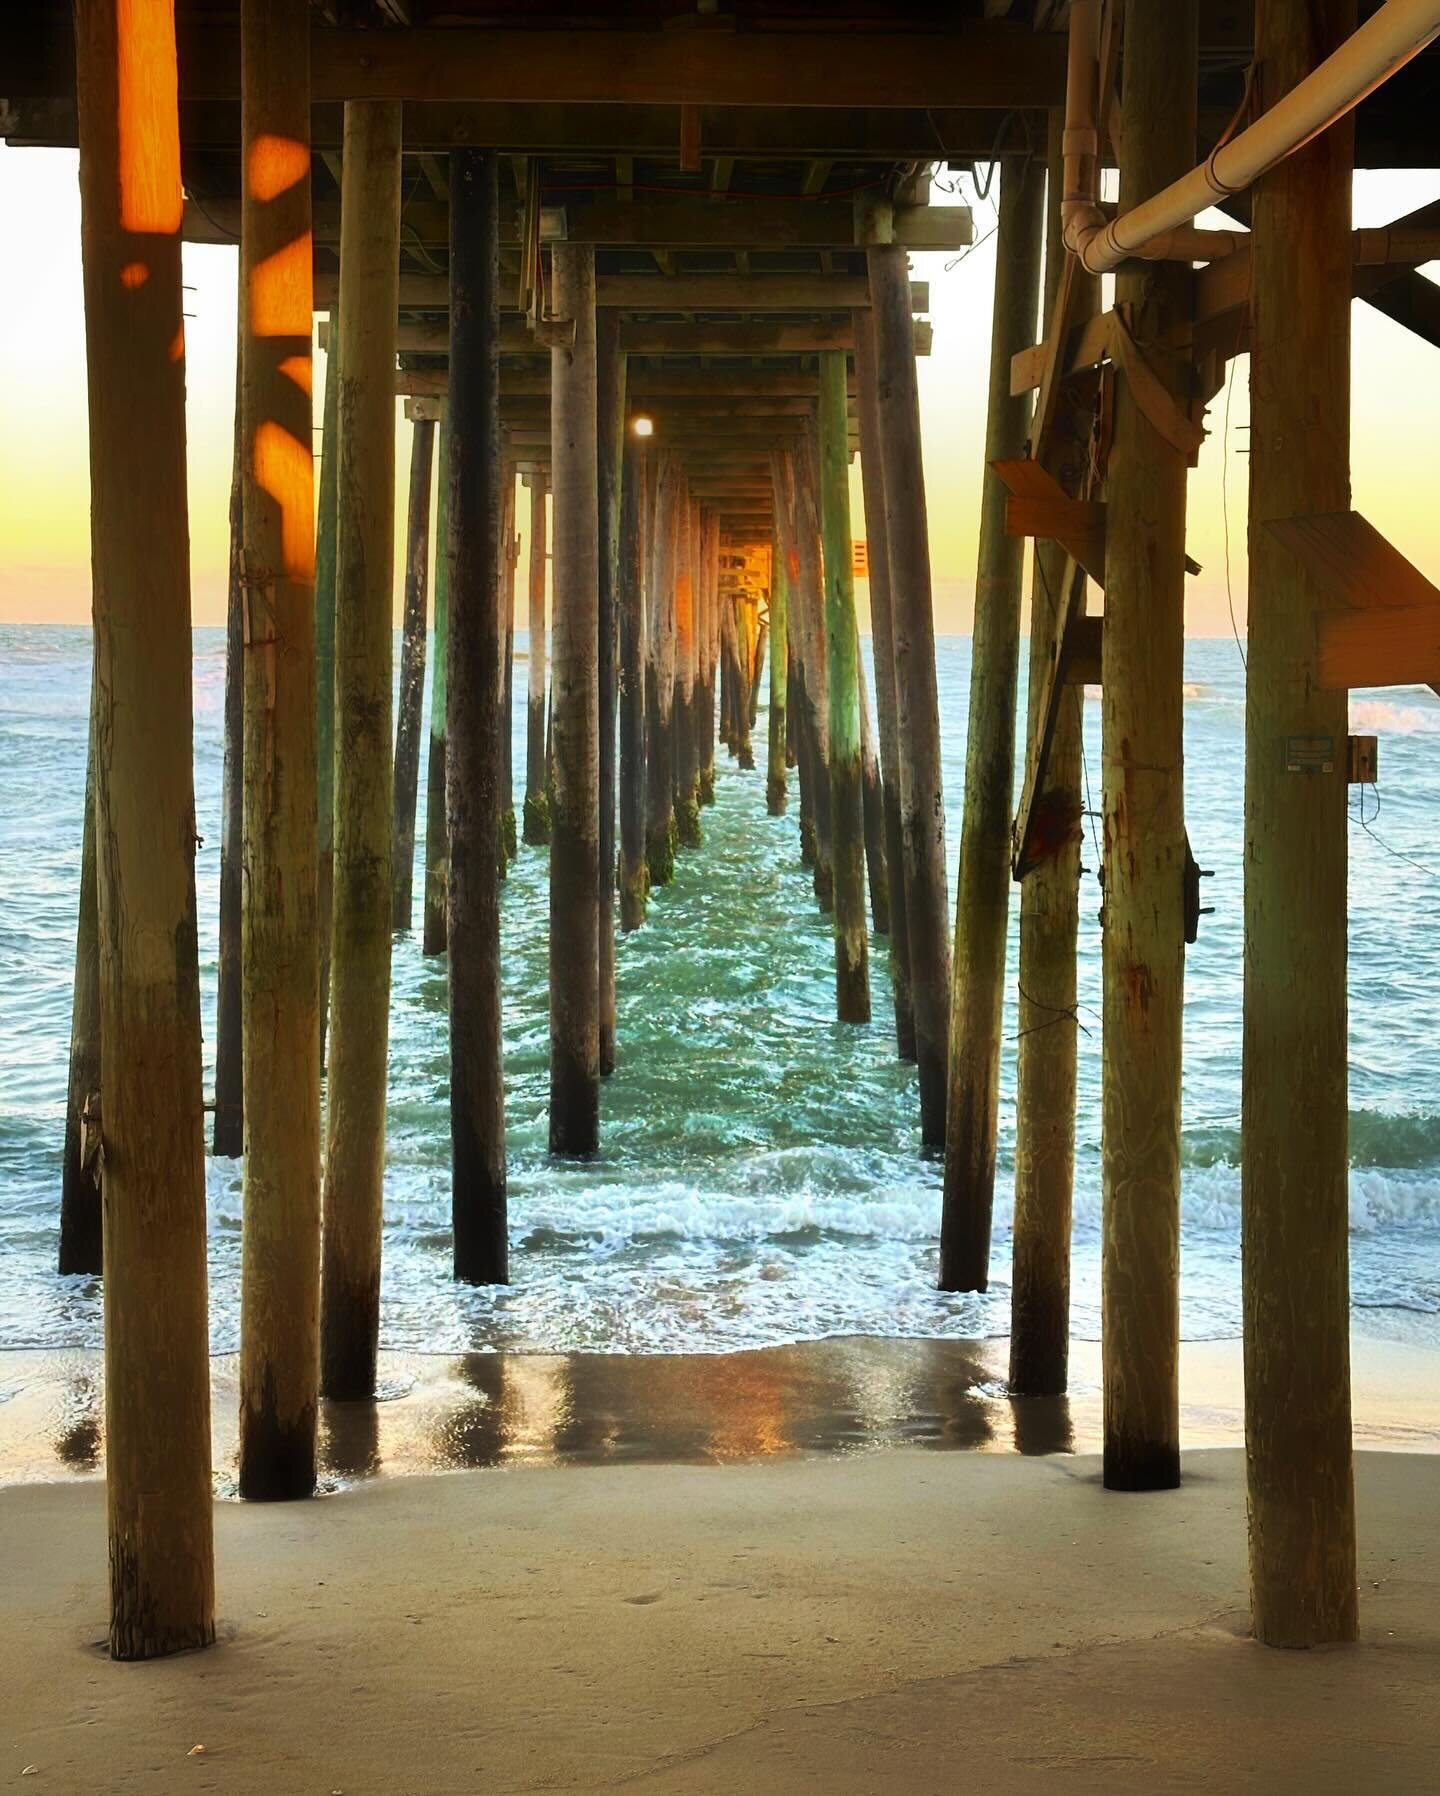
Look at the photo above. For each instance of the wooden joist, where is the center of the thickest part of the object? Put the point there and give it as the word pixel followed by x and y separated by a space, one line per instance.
pixel 649 294
pixel 1385 627
pixel 432 337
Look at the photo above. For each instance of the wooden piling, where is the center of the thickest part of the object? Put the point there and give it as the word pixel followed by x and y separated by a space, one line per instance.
pixel 917 705
pixel 325 573
pixel 1294 1112
pixel 280 1244
pixel 412 672
pixel 709 644
pixel 535 828
pixel 228 1136
pixel 81 1228
pixel 1142 752
pixel 982 882
pixel 475 746
pixel 876 871
pixel 776 777
pixel 360 946
pixel 808 594
pixel 157 1365
pixel 882 644
pixel 634 874
pixel 437 838
pixel 660 681
pixel 575 838
pixel 682 710
pixel 509 562
pixel 1045 1077
pixel 842 655
pixel 610 448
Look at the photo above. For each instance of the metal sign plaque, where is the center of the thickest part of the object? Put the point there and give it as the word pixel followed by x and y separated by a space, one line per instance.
pixel 1309 754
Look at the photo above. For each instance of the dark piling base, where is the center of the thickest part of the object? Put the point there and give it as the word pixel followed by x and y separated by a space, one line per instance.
pixel 706 787
pixel 1145 1465
pixel 1040 1345
pixel 349 1340
pixel 687 818
pixel 508 839
pixel 535 828
pixel 277 1459
pixel 634 892
pixel 482 1248
pixel 776 795
pixel 660 853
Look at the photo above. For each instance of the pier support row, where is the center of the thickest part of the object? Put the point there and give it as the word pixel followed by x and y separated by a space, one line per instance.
pixel 412 671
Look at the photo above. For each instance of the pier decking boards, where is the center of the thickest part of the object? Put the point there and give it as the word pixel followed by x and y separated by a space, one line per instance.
pixel 657 266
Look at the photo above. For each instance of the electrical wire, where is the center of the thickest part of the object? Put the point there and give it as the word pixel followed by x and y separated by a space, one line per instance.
pixel 1380 842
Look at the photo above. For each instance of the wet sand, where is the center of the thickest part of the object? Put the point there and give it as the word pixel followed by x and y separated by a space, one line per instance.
pixel 889 1621
pixel 447 1412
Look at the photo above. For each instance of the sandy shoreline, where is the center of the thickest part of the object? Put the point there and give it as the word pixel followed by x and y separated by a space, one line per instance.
pixel 893 1621
pixel 444 1412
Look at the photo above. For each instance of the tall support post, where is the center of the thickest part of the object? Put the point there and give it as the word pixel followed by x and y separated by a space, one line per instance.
pixel 157 1366
pixel 917 705
pixel 1142 751
pixel 882 641
pixel 280 1260
pixel 437 835
pixel 797 696
pixel 708 638
pixel 228 1137
pixel 687 748
pixel 876 871
pixel 810 593
pixel 535 827
pixel 610 448
pixel 412 671
pixel 326 562
pixel 509 563
pixel 1045 1075
pixel 1294 1136
pixel 575 705
pixel 634 875
pixel 475 743
pixel 81 1228
pixel 360 947
pixel 777 782
pixel 982 882
pixel 842 655
pixel 660 681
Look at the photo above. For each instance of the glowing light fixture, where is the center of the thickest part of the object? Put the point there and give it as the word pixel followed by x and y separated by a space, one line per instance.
pixel 643 426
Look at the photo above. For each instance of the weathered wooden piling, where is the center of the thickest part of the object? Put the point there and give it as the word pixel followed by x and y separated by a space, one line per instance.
pixel 797 702
pixel 876 872
pixel 280 1243
pixel 682 711
pixel 610 449
pixel 157 1366
pixel 982 882
pixel 710 647
pixel 326 558
pixel 474 744
pixel 509 562
pixel 660 680
pixel 777 781
pixel 228 1134
pixel 1294 1112
pixel 412 672
pixel 1144 814
pixel 437 836
pixel 917 705
pixel 81 1227
pixel 634 874
pixel 360 946
pixel 575 838
pixel 808 596
pixel 882 643
pixel 842 656
pixel 1045 1076
pixel 535 827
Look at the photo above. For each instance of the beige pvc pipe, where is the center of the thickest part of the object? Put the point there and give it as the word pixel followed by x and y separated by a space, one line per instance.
pixel 1385 43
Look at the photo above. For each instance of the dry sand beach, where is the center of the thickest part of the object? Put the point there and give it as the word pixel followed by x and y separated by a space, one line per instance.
pixel 821 1605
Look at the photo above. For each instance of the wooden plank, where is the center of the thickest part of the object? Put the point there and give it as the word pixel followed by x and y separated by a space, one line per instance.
pixel 1078 525
pixel 1357 566
pixel 649 222
pixel 1392 645
pixel 1080 656
pixel 768 293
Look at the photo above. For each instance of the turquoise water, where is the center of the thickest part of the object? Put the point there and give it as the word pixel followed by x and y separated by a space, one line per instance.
pixel 760 1179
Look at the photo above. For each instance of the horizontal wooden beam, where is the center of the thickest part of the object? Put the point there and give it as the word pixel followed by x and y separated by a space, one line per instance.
pixel 660 293
pixel 653 223
pixel 646 383
pixel 432 337
pixel 1391 645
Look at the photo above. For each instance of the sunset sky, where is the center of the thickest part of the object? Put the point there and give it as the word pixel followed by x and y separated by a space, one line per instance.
pixel 44 478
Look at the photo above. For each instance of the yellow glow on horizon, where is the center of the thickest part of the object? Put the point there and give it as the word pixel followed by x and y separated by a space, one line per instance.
pixel 151 199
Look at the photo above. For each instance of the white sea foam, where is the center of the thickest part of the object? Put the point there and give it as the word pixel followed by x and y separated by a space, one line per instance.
pixel 1386 717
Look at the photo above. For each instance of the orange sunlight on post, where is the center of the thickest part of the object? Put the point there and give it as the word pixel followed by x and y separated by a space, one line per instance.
pixel 278 303
pixel 284 468
pixel 277 163
pixel 151 199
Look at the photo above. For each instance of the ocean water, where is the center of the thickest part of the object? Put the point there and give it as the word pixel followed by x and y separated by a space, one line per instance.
pixel 760 1179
